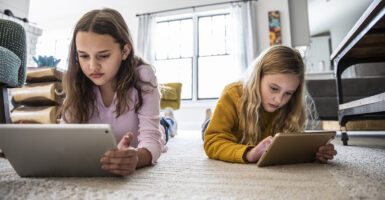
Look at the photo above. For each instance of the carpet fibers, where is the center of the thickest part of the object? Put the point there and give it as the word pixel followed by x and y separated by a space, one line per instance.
pixel 185 172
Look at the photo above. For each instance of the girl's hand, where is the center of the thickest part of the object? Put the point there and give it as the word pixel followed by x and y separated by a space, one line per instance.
pixel 326 153
pixel 255 153
pixel 122 161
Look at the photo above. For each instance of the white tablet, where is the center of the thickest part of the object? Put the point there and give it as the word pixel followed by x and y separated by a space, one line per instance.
pixel 56 150
pixel 290 148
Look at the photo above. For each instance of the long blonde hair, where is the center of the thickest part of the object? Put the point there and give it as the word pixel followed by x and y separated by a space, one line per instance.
pixel 79 104
pixel 289 118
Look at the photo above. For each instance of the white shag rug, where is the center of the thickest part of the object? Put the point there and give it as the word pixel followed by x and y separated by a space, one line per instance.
pixel 185 172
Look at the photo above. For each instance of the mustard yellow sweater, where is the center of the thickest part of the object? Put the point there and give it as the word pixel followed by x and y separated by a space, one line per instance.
pixel 223 134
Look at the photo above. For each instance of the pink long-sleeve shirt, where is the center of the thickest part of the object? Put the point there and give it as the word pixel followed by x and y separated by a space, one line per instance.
pixel 145 124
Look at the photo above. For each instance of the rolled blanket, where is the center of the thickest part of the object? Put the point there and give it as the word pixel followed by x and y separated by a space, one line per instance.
pixel 43 74
pixel 40 115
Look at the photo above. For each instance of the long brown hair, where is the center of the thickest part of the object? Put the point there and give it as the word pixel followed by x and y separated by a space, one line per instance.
pixel 291 117
pixel 79 104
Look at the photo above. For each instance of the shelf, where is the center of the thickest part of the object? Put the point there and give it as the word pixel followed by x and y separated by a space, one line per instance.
pixel 365 43
pixel 363 102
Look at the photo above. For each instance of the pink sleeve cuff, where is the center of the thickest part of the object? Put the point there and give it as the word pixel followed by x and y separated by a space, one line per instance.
pixel 153 149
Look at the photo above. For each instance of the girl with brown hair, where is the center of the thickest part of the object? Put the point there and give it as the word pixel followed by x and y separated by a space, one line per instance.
pixel 107 83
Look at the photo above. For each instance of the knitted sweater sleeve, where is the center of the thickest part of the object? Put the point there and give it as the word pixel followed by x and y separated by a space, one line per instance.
pixel 221 136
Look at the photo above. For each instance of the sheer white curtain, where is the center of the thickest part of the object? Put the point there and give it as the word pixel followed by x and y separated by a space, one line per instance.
pixel 145 38
pixel 244 19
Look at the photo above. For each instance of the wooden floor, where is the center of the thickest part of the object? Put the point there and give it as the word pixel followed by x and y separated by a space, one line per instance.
pixel 364 125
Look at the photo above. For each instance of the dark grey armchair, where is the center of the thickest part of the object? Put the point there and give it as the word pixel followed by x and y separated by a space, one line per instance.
pixel 13 53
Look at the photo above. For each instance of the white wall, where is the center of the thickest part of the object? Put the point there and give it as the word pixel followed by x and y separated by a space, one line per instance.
pixel 299 21
pixel 335 16
pixel 67 14
pixel 319 55
pixel 264 6
pixel 342 25
pixel 262 13
pixel 19 8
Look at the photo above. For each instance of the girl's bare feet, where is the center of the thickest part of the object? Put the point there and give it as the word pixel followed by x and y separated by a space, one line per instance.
pixel 208 116
pixel 169 113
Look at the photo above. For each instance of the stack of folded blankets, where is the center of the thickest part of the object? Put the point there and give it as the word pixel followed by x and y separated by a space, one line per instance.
pixel 38 101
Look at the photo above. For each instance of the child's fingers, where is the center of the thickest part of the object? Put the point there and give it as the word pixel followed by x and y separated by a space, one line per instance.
pixel 121 153
pixel 122 172
pixel 113 160
pixel 332 152
pixel 329 152
pixel 323 149
pixel 267 141
pixel 329 145
pixel 326 152
pixel 125 141
pixel 121 162
pixel 125 167
pixel 326 148
pixel 119 169
pixel 110 167
pixel 322 159
pixel 265 144
pixel 326 156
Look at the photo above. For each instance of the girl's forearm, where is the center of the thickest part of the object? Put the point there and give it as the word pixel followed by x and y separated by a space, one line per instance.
pixel 144 158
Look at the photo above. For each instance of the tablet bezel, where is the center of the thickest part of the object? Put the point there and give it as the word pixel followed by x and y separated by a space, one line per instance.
pixel 57 150
pixel 292 148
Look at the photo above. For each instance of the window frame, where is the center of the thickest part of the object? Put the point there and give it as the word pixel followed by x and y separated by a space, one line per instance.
pixel 212 55
pixel 195 53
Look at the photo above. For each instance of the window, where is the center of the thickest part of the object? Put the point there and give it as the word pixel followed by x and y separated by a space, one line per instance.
pixel 174 53
pixel 196 51
pixel 213 55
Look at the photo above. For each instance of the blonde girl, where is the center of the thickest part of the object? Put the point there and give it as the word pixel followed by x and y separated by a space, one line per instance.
pixel 249 113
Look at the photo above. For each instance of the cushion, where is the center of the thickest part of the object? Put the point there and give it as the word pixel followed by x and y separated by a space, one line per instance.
pixel 13 38
pixel 171 94
pixel 9 67
pixel 168 93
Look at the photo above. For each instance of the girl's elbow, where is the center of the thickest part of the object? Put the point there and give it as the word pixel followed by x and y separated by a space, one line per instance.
pixel 209 148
